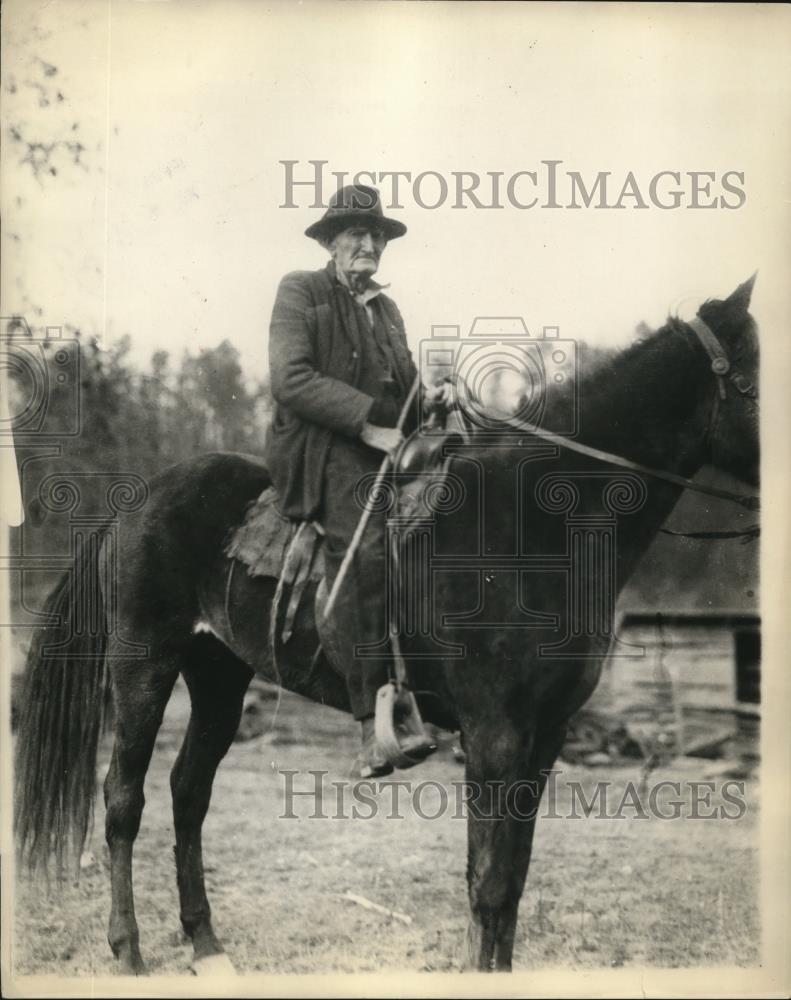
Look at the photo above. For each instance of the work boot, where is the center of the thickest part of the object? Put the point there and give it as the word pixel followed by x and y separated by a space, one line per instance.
pixel 373 763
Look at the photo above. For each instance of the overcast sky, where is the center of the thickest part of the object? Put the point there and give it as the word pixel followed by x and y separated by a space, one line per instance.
pixel 173 232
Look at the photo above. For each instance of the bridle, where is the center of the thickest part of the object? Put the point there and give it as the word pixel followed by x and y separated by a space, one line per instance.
pixel 722 369
pixel 720 364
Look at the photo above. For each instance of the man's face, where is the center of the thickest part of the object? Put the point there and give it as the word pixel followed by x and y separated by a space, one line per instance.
pixel 357 250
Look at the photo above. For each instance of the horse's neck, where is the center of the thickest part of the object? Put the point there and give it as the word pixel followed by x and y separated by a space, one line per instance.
pixel 651 405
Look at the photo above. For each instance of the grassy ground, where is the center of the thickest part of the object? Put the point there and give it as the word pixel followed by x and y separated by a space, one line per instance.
pixel 600 892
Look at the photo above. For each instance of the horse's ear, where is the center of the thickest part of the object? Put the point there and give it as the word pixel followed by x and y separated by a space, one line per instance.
pixel 739 300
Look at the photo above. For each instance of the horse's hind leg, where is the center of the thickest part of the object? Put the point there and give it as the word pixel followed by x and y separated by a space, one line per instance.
pixel 141 691
pixel 217 681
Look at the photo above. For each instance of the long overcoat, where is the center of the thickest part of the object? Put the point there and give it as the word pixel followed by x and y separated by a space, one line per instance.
pixel 314 364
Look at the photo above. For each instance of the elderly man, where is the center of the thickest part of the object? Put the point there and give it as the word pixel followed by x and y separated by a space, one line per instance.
pixel 341 372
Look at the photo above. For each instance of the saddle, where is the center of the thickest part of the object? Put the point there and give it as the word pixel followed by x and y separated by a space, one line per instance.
pixel 274 546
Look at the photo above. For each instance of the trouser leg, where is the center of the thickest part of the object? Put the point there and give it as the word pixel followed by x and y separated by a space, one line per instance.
pixel 359 617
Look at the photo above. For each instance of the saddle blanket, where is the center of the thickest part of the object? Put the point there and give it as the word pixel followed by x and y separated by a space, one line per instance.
pixel 275 546
pixel 263 539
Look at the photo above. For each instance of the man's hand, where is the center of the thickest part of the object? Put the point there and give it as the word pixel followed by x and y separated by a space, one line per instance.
pixel 441 394
pixel 382 438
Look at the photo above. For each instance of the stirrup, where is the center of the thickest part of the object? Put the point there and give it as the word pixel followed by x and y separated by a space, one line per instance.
pixel 399 727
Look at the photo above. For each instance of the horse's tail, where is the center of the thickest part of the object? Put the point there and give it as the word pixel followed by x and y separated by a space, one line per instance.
pixel 60 719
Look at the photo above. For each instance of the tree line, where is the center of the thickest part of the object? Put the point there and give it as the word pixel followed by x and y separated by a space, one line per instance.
pixel 106 414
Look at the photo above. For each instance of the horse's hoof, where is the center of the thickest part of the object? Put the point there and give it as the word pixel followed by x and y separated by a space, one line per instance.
pixel 213 965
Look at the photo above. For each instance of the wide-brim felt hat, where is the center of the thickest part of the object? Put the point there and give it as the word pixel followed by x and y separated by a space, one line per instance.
pixel 354 205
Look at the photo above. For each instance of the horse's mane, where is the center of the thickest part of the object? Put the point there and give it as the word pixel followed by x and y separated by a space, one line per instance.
pixel 657 350
pixel 628 400
pixel 610 380
pixel 596 363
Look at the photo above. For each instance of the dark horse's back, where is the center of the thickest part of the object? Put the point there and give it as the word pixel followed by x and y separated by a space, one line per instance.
pixel 178 542
pixel 197 503
pixel 172 544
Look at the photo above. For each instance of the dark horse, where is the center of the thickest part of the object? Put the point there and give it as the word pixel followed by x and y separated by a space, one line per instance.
pixel 527 564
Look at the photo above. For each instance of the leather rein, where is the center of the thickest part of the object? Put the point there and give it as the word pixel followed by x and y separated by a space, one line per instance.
pixel 722 369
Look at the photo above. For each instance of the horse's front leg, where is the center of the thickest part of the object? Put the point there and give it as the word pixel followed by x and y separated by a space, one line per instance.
pixel 506 773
